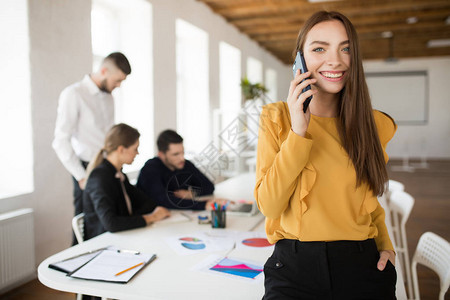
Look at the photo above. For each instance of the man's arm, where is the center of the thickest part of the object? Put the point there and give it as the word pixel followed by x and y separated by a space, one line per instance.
pixel 66 124
pixel 150 181
pixel 203 182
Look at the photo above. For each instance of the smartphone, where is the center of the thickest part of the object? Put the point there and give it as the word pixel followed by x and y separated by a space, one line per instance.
pixel 299 63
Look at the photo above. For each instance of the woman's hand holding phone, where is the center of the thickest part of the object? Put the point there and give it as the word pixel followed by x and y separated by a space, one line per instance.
pixel 299 119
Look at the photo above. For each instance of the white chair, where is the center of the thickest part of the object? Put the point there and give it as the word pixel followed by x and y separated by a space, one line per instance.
pixel 393 186
pixel 400 206
pixel 78 227
pixel 433 252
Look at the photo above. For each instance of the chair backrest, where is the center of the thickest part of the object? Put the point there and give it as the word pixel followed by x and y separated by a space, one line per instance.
pixel 78 227
pixel 402 203
pixel 433 252
pixel 396 185
pixel 400 206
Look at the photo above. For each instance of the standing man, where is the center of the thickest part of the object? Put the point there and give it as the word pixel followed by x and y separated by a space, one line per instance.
pixel 85 114
pixel 171 180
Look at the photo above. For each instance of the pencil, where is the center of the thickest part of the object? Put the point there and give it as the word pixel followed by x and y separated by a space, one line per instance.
pixel 126 270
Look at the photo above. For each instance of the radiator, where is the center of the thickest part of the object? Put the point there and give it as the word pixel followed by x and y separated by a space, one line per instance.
pixel 17 262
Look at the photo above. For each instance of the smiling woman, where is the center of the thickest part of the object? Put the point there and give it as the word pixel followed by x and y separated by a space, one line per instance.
pixel 327 54
pixel 319 172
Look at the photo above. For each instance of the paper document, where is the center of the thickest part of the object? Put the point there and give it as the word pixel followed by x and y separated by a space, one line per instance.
pixel 242 270
pixel 175 217
pixel 197 242
pixel 113 266
pixel 71 264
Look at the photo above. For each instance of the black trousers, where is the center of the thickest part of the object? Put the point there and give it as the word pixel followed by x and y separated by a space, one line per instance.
pixel 327 270
pixel 77 199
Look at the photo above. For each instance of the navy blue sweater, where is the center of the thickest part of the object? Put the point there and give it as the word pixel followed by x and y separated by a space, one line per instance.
pixel 159 183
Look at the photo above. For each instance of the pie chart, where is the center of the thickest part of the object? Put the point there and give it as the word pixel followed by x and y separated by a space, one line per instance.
pixel 256 242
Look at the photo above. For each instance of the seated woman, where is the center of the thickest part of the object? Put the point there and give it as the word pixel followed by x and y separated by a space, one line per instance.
pixel 110 202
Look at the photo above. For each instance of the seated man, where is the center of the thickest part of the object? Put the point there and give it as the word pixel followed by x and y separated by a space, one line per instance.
pixel 172 181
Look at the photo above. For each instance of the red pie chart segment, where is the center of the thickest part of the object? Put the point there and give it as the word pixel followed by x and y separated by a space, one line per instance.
pixel 256 242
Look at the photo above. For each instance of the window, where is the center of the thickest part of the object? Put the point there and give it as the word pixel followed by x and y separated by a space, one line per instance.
pixel 126 27
pixel 192 86
pixel 254 70
pixel 16 154
pixel 230 90
pixel 271 84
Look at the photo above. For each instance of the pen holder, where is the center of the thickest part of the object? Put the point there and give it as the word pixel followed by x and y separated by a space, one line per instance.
pixel 218 218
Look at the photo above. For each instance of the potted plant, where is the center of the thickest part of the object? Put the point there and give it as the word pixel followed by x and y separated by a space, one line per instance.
pixel 250 90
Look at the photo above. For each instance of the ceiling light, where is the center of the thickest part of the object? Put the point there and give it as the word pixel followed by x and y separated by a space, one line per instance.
pixel 412 20
pixel 447 21
pixel 387 34
pixel 438 43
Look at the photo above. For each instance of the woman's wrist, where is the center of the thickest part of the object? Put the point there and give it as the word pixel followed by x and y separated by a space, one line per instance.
pixel 301 133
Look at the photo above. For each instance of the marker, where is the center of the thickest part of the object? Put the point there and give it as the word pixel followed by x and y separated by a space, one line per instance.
pixel 130 268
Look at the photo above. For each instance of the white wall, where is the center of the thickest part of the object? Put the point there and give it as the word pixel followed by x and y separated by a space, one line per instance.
pixel 431 140
pixel 164 15
pixel 60 54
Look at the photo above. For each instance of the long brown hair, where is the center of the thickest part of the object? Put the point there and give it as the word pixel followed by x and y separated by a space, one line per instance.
pixel 356 124
pixel 119 135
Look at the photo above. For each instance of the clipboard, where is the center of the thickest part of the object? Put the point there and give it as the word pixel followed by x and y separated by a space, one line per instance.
pixel 113 266
pixel 70 264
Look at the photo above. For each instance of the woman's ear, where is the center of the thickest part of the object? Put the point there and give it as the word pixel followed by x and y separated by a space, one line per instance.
pixel 120 149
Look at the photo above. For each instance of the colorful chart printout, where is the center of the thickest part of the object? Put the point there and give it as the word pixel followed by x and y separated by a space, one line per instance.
pixel 194 243
pixel 256 242
pixel 237 268
pixel 190 239
pixel 192 246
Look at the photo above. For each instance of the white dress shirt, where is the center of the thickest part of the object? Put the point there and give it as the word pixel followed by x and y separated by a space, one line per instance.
pixel 85 115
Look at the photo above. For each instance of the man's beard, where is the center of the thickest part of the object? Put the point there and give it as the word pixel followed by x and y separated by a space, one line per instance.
pixel 172 166
pixel 103 87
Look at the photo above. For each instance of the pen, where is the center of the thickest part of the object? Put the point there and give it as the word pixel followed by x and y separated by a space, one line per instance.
pixel 187 216
pixel 128 251
pixel 130 268
pixel 86 253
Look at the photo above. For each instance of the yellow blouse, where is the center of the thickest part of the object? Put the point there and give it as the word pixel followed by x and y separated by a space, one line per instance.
pixel 306 187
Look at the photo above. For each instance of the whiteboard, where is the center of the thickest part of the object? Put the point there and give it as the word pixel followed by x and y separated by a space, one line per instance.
pixel 402 95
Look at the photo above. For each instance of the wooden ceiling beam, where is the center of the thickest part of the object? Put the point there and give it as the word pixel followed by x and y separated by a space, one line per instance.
pixel 400 27
pixel 386 25
pixel 348 8
pixel 274 24
pixel 362 31
pixel 255 25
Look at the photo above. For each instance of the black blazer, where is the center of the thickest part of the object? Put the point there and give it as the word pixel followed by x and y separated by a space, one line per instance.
pixel 104 203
